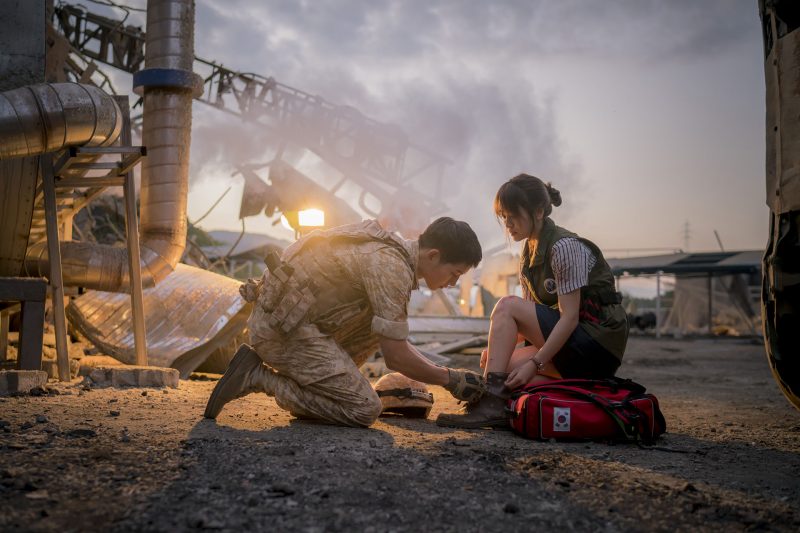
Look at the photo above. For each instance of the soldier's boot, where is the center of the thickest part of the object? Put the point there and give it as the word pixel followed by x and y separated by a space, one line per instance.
pixel 488 412
pixel 246 373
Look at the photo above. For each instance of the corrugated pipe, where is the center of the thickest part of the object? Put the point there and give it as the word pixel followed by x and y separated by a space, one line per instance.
pixel 168 85
pixel 45 118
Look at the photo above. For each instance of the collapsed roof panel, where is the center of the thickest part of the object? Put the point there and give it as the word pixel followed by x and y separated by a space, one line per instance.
pixel 188 316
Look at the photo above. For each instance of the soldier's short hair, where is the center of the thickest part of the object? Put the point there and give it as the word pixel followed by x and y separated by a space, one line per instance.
pixel 454 239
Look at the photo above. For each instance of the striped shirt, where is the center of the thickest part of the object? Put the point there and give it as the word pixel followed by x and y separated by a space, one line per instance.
pixel 571 261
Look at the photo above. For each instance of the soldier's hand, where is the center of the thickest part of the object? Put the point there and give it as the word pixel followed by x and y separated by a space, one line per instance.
pixel 465 384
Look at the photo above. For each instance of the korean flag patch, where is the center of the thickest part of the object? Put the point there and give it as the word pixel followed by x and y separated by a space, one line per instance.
pixel 561 416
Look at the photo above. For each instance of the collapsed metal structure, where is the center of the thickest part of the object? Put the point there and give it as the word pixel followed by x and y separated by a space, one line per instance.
pixel 46 119
pixel 376 156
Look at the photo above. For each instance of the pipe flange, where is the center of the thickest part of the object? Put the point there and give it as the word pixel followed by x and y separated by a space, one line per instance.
pixel 167 78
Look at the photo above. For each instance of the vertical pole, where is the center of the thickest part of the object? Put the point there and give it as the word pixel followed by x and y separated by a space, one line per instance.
pixel 54 254
pixel 30 334
pixel 658 305
pixel 4 323
pixel 66 234
pixel 132 234
pixel 710 301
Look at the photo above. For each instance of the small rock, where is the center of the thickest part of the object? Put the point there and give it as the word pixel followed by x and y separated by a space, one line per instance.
pixel 510 508
pixel 41 419
pixel 279 491
pixel 144 393
pixel 4 424
pixel 688 487
pixel 38 391
pixel 11 472
pixel 81 433
pixel 40 494
pixel 114 413
pixel 26 425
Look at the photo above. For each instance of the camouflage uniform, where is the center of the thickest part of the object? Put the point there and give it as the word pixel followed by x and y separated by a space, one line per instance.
pixel 369 275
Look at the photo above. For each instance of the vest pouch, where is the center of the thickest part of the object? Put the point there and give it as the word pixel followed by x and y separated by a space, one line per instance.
pixel 275 283
pixel 293 309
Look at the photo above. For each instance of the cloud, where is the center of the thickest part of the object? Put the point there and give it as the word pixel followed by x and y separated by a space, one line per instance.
pixel 460 78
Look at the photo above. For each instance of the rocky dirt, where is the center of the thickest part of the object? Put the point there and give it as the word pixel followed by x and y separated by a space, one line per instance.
pixel 80 459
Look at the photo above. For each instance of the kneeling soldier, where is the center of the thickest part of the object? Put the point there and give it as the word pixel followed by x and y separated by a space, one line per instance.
pixel 329 302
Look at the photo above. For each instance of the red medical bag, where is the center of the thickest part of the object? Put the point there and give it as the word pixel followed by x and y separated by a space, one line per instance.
pixel 586 409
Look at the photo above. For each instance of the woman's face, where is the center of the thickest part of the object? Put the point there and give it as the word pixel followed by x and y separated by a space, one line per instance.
pixel 518 225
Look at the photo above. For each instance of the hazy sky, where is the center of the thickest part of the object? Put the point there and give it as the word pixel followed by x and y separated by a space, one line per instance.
pixel 645 114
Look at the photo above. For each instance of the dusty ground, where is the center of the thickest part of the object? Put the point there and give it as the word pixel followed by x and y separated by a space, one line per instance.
pixel 145 460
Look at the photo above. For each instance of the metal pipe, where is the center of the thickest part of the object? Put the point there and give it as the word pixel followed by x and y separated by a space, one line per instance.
pixel 166 132
pixel 45 118
pixel 168 85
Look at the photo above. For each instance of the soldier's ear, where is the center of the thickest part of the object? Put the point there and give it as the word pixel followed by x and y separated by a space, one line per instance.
pixel 433 255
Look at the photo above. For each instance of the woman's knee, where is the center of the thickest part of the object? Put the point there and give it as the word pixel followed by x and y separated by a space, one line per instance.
pixel 504 308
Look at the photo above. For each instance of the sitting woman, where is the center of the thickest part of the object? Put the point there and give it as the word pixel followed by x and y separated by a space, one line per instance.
pixel 570 316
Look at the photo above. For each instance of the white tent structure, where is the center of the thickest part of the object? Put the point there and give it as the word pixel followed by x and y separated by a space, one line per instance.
pixel 715 292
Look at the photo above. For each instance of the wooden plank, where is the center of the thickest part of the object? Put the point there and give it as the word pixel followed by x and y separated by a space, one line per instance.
pixel 31 329
pixel 104 181
pixel 21 289
pixel 5 316
pixel 132 231
pixel 56 279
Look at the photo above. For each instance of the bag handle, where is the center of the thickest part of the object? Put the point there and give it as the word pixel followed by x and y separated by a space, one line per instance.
pixel 587 384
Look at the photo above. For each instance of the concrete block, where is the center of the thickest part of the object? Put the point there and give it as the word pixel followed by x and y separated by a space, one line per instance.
pixel 51 367
pixel 90 362
pixel 21 381
pixel 134 376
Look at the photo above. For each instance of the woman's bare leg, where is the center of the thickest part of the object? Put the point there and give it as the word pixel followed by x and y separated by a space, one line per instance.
pixel 520 356
pixel 511 315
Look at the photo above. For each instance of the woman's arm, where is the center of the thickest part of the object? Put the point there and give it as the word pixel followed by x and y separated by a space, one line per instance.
pixel 569 306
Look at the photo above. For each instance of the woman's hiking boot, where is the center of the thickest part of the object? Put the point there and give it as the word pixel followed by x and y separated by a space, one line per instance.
pixel 487 412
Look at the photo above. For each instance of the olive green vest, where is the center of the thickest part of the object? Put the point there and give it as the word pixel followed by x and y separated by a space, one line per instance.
pixel 601 314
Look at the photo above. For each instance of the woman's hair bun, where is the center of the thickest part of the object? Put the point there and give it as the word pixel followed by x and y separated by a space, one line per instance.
pixel 555 194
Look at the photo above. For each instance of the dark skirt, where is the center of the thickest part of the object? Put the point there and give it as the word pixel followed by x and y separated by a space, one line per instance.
pixel 581 356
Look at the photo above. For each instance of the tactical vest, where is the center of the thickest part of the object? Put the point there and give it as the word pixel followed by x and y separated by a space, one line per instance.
pixel 601 314
pixel 308 281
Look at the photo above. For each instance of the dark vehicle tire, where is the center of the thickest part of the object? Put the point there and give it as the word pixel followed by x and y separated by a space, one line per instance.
pixel 780 299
